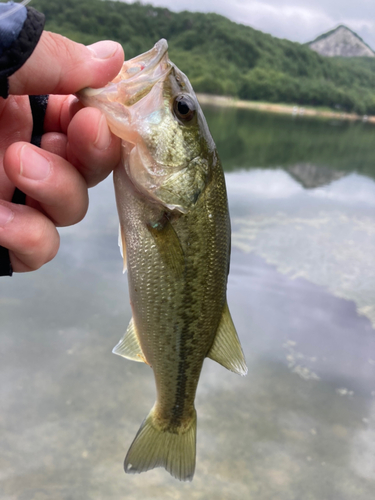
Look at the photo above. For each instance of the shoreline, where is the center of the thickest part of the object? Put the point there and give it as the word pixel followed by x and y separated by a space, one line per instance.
pixel 286 109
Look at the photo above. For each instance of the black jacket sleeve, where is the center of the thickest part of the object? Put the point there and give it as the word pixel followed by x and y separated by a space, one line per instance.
pixel 17 41
pixel 20 31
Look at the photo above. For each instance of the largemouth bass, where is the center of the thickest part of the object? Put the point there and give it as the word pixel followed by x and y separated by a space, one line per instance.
pixel 175 234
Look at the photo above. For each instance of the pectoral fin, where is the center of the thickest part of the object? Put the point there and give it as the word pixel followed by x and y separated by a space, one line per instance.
pixel 226 348
pixel 122 245
pixel 129 346
pixel 168 244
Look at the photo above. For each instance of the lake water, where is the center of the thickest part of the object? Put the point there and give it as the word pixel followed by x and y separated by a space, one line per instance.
pixel 301 425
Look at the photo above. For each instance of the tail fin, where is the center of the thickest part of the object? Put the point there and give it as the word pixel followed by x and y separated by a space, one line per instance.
pixel 159 448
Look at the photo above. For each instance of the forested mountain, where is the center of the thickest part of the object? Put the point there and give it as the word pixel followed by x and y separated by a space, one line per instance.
pixel 220 56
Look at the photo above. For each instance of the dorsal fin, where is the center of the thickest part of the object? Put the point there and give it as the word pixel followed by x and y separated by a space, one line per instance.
pixel 226 348
pixel 129 346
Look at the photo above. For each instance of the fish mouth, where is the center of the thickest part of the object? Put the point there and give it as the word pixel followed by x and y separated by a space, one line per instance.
pixel 135 80
pixel 150 63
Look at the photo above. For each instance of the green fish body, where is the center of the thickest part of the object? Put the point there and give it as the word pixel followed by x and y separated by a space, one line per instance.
pixel 175 234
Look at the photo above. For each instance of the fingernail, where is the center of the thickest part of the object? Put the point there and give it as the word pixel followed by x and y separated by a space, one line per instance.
pixel 33 165
pixel 6 215
pixel 103 139
pixel 103 50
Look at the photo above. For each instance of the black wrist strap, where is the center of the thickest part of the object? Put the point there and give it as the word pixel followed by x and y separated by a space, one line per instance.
pixel 4 87
pixel 5 265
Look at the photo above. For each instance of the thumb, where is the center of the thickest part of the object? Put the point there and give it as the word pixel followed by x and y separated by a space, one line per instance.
pixel 60 66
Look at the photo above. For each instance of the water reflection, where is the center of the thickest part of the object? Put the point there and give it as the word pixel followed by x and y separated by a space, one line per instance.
pixel 311 176
pixel 250 139
pixel 302 294
pixel 325 235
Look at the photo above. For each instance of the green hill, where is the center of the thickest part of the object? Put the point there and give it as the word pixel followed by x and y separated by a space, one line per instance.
pixel 220 56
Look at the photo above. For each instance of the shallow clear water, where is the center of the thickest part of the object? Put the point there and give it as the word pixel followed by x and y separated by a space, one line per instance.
pixel 302 295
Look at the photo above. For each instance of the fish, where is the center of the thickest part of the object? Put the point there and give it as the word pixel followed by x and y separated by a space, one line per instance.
pixel 175 237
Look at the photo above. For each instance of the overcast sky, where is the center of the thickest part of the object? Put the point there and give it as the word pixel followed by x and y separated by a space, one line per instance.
pixel 297 20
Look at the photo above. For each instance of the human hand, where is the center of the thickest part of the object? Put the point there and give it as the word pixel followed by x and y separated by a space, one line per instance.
pixel 77 149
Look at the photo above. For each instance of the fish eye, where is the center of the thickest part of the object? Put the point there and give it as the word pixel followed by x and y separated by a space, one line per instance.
pixel 184 108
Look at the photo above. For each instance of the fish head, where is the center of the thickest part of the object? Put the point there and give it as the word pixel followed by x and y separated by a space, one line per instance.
pixel 167 146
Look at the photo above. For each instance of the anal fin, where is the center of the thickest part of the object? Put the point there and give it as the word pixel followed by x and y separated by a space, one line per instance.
pixel 226 348
pixel 129 346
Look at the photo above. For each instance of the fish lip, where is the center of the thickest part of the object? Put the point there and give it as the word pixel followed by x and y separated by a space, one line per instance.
pixel 143 63
pixel 140 74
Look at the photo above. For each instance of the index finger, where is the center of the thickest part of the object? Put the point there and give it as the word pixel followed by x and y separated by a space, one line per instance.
pixel 60 66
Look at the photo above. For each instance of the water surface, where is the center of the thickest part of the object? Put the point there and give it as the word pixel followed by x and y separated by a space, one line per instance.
pixel 302 294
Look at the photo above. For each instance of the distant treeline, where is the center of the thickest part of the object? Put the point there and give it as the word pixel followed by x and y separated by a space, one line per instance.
pixel 219 56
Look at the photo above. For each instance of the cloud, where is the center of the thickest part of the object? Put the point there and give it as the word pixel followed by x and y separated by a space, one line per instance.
pixel 297 23
pixel 297 20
